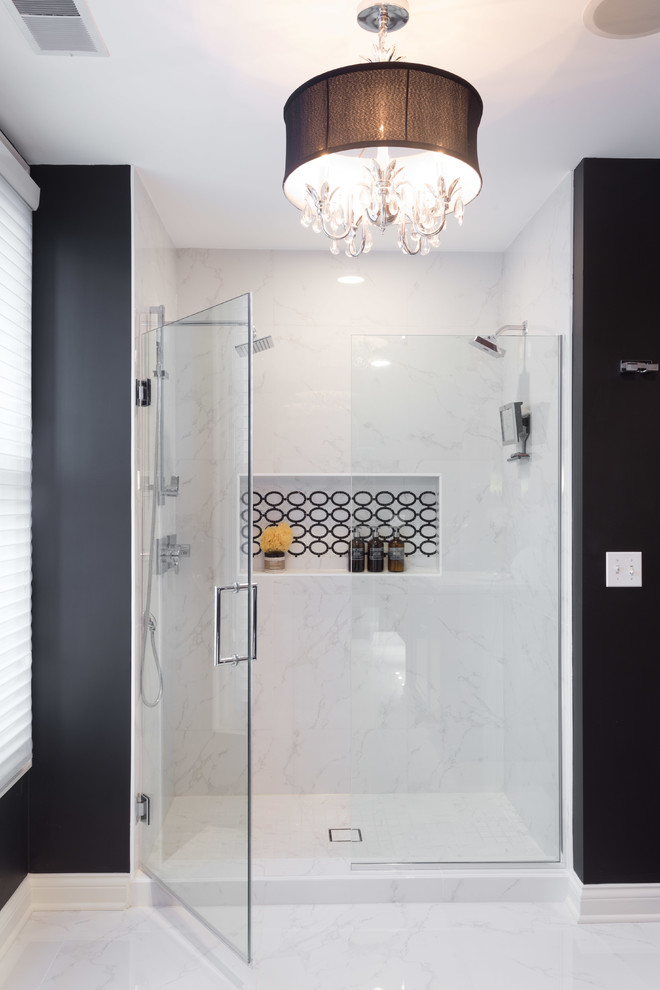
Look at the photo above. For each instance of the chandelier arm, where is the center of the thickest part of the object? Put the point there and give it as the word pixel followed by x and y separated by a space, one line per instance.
pixel 363 240
pixel 419 228
pixel 335 237
pixel 404 243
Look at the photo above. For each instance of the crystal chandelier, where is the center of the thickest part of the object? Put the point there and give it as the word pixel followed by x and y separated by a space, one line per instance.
pixel 381 144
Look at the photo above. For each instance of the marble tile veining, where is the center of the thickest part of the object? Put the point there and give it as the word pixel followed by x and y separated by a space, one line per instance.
pixel 339 947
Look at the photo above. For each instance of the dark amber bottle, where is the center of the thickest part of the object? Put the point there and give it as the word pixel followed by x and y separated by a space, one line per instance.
pixel 375 553
pixel 396 553
pixel 357 553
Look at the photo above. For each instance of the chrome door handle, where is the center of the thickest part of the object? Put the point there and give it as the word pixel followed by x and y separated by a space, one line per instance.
pixel 217 650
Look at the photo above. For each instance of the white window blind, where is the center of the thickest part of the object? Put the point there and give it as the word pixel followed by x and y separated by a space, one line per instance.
pixel 15 481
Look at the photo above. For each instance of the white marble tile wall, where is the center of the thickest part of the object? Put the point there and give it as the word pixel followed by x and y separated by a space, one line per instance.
pixel 208 706
pixel 427 682
pixel 302 424
pixel 302 386
pixel 426 686
pixel 447 729
pixel 531 636
pixel 154 273
pixel 302 703
pixel 537 286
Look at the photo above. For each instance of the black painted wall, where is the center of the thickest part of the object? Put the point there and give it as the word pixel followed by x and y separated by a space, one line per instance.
pixel 616 507
pixel 13 838
pixel 80 780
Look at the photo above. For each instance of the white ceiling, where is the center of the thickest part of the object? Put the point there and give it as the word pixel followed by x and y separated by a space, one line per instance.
pixel 193 91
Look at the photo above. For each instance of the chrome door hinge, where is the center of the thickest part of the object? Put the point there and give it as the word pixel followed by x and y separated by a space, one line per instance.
pixel 143 392
pixel 143 809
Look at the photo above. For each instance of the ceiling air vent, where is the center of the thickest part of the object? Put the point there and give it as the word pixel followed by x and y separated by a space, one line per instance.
pixel 58 27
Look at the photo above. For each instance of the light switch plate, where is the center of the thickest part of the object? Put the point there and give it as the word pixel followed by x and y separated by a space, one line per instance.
pixel 623 569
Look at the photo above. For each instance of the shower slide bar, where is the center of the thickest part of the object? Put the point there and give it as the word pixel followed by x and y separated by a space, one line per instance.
pixel 217 650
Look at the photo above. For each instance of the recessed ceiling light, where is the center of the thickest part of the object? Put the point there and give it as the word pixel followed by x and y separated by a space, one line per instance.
pixel 379 363
pixel 350 279
pixel 623 18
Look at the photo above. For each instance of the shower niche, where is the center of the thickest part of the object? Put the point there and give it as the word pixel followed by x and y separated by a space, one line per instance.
pixel 324 510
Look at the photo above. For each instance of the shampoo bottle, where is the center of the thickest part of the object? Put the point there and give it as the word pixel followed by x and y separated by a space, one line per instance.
pixel 356 553
pixel 395 553
pixel 375 553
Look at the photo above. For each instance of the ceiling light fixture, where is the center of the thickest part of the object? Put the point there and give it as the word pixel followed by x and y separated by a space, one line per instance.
pixel 622 19
pixel 382 144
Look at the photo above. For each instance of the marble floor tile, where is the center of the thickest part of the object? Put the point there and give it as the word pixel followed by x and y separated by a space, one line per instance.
pixel 204 838
pixel 341 947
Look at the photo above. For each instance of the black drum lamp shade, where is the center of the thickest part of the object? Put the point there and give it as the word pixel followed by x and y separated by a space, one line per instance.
pixel 395 105
pixel 382 144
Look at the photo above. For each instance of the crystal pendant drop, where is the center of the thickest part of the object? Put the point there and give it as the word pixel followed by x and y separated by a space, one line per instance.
pixel 306 215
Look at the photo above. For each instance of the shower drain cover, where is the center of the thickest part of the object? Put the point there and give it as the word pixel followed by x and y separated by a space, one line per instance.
pixel 345 834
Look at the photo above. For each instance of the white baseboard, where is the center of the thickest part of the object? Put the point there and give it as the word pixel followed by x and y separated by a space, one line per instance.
pixel 14 914
pixel 602 903
pixel 80 891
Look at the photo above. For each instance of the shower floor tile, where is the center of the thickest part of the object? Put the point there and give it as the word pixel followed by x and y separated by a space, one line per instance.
pixel 204 837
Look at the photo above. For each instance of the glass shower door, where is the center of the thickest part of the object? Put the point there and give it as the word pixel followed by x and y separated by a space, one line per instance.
pixel 198 614
pixel 455 678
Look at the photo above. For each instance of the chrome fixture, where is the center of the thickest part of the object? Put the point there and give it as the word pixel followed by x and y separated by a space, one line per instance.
pixel 488 342
pixel 217 639
pixel 262 344
pixel 515 426
pixel 382 144
pixel 641 367
pixel 345 834
pixel 143 809
pixel 149 625
pixel 171 490
pixel 170 553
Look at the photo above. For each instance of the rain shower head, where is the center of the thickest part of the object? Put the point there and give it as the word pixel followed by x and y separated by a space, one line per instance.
pixel 262 344
pixel 488 342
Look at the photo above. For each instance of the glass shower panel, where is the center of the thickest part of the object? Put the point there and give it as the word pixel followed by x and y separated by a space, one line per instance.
pixel 195 710
pixel 455 662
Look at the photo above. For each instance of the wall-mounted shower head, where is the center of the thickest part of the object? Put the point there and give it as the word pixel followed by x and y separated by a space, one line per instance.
pixel 488 342
pixel 262 344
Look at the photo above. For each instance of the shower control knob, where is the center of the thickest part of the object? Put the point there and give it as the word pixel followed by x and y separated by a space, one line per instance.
pixel 170 553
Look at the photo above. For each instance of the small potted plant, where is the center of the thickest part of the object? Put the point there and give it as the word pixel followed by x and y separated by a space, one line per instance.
pixel 275 541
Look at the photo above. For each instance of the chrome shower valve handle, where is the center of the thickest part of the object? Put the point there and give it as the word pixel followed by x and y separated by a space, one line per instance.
pixel 170 553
